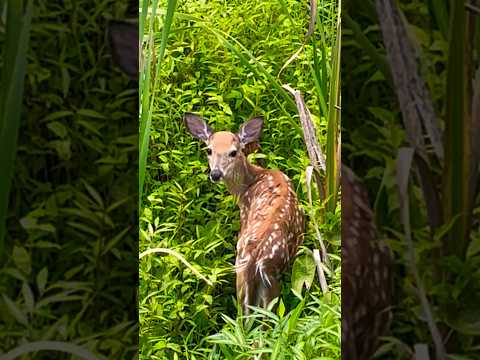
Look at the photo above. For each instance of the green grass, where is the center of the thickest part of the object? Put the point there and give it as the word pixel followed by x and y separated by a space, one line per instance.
pixel 67 280
pixel 222 59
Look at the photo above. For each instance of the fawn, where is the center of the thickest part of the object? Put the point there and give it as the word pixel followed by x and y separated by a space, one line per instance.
pixel 272 222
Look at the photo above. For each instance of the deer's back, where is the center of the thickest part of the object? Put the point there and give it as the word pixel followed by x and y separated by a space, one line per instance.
pixel 272 223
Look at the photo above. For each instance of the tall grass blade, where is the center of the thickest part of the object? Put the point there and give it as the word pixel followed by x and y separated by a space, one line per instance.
pixel 333 160
pixel 475 138
pixel 438 9
pixel 318 79
pixel 403 167
pixel 145 91
pixel 456 172
pixel 11 95
pixel 142 18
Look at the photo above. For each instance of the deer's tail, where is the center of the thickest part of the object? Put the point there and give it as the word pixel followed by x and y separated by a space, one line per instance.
pixel 256 285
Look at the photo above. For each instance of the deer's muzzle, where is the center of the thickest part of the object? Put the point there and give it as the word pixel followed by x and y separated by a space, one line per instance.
pixel 216 175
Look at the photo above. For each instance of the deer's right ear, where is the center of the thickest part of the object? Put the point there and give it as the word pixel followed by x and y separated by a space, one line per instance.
pixel 197 127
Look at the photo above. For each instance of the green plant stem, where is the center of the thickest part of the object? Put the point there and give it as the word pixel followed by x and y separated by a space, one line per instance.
pixel 334 121
pixel 457 140
pixel 11 95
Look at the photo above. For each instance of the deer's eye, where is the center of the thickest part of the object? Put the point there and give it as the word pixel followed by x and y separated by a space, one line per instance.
pixel 233 153
pixel 209 152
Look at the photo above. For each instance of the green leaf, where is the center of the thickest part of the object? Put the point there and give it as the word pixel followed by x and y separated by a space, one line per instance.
pixel 90 113
pixel 42 278
pixel 467 322
pixel 28 297
pixel 15 311
pixel 30 223
pixel 58 128
pixel 303 272
pixel 474 246
pixel 281 309
pixel 22 260
pixel 57 115
pixel 94 194
pixel 62 147
pixel 115 240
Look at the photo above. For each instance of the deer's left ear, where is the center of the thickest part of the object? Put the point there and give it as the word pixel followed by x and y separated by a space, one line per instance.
pixel 197 127
pixel 123 39
pixel 250 131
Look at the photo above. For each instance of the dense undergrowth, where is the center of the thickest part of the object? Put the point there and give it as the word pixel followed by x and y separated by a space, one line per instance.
pixel 206 70
pixel 445 257
pixel 67 271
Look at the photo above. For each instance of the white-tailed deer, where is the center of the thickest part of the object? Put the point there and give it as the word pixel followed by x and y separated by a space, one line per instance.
pixel 272 223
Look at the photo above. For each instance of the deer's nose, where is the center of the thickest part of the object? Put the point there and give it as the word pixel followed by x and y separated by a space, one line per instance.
pixel 215 175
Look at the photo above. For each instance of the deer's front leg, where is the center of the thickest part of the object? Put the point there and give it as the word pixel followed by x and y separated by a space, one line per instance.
pixel 245 290
pixel 244 275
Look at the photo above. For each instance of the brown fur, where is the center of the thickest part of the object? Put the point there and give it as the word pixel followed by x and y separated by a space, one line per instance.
pixel 272 223
pixel 272 226
pixel 366 276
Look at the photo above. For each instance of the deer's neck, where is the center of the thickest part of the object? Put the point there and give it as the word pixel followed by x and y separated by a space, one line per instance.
pixel 242 176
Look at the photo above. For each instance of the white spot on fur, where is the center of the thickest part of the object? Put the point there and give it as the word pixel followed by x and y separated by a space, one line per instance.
pixel 242 264
pixel 264 276
pixel 274 249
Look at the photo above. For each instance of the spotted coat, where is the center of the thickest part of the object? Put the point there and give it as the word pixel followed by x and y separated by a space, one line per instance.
pixel 272 227
pixel 366 274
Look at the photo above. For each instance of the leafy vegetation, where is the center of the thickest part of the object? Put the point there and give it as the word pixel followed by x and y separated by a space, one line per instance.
pixel 424 188
pixel 225 60
pixel 67 280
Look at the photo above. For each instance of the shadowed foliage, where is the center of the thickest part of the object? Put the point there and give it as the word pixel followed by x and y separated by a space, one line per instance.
pixel 410 90
pixel 67 280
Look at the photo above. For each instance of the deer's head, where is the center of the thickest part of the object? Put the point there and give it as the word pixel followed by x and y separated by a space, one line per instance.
pixel 225 150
